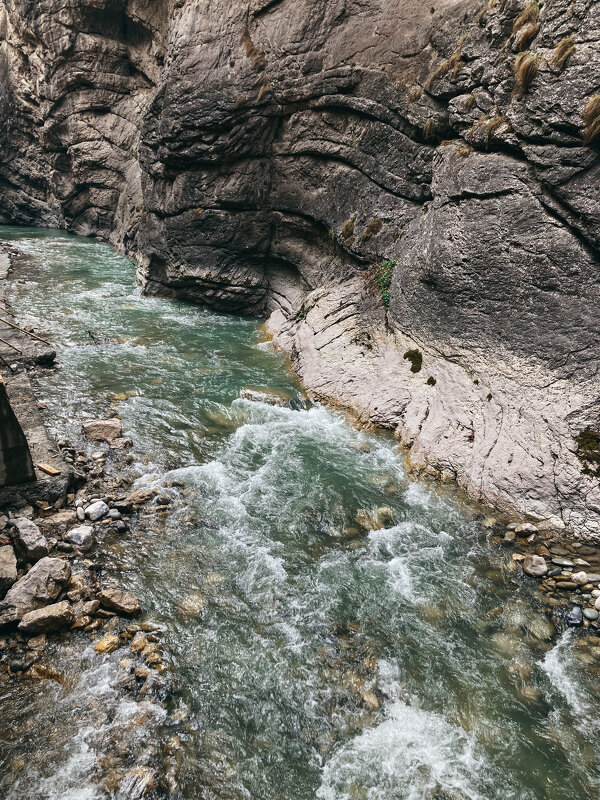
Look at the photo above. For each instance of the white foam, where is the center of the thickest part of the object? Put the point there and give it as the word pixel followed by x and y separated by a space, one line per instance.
pixel 411 754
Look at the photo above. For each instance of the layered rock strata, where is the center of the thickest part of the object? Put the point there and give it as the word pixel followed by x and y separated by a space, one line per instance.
pixel 410 191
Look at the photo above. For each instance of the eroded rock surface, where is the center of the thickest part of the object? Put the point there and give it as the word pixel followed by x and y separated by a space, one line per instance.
pixel 410 190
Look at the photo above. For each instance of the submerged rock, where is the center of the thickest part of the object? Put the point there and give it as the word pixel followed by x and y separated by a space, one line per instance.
pixel 269 396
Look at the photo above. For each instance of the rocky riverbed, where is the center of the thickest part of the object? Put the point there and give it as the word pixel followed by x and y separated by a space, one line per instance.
pixel 251 591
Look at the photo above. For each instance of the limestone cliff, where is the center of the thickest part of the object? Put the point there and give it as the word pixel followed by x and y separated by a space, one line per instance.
pixel 411 191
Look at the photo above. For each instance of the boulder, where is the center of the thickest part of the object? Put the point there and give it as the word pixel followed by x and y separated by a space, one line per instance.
pixel 8 569
pixel 97 510
pixel 28 539
pixel 102 430
pixel 50 618
pixel 42 585
pixel 535 566
pixel 119 601
pixel 82 536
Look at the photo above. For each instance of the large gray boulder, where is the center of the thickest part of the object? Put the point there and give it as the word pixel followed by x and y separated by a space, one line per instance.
pixel 28 539
pixel 39 587
pixel 8 569
pixel 47 619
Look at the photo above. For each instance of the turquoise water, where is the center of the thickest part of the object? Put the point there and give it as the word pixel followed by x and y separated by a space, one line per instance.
pixel 326 661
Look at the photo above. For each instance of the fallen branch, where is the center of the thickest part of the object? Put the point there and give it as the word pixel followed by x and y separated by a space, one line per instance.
pixel 8 344
pixel 28 333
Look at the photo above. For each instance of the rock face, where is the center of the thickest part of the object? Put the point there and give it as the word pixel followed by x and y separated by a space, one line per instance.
pixel 410 190
pixel 42 584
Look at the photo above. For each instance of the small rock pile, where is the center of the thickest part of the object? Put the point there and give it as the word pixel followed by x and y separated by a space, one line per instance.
pixel 568 571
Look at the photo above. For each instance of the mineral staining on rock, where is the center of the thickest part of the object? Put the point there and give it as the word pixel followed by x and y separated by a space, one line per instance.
pixel 263 159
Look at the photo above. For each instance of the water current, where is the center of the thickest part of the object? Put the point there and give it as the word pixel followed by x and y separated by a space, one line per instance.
pixel 322 660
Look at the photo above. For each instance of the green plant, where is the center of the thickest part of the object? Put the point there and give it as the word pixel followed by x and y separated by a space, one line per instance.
pixel 525 69
pixel 563 51
pixel 591 119
pixel 383 272
pixel 588 450
pixel 416 359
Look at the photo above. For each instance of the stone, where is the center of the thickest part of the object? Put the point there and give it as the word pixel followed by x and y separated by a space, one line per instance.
pixel 83 537
pixel 54 617
pixel 590 614
pixel 90 607
pixel 80 513
pixel 192 605
pixel 120 601
pixel 8 569
pixel 40 586
pixel 525 529
pixel 266 396
pixel 102 430
pixel 97 510
pixel 535 566
pixel 114 514
pixel 597 604
pixel 108 643
pixel 580 578
pixel 575 617
pixel 29 541
pixel 562 562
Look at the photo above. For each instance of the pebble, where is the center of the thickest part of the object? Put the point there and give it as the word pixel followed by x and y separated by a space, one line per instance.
pixel 579 578
pixel 107 644
pixel 575 617
pixel 80 513
pixel 597 604
pixel 535 566
pixel 562 562
pixel 591 614
pixel 97 510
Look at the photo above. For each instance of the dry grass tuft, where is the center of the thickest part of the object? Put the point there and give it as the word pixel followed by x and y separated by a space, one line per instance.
pixel 259 62
pixel 528 16
pixel 470 102
pixel 416 93
pixel 525 69
pixel 462 150
pixel 490 5
pixel 430 130
pixel 591 119
pixel 563 51
pixel 348 228
pixel 493 125
pixel 263 91
pixel 452 65
pixel 527 35
pixel 372 229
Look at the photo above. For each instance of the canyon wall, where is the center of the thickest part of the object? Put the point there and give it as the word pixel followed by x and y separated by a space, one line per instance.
pixel 411 192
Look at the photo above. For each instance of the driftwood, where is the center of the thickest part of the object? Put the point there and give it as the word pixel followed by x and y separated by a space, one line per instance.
pixel 27 333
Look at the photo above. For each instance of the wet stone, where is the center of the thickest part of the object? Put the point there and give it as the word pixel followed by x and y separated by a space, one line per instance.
pixel 590 614
pixel 535 566
pixel 575 617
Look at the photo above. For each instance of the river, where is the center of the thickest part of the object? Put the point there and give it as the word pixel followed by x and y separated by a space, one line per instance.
pixel 407 663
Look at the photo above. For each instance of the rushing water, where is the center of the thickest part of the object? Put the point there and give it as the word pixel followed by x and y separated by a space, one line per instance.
pixel 401 664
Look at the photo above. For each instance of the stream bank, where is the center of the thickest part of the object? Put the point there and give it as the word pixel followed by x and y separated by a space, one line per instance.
pixel 331 626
